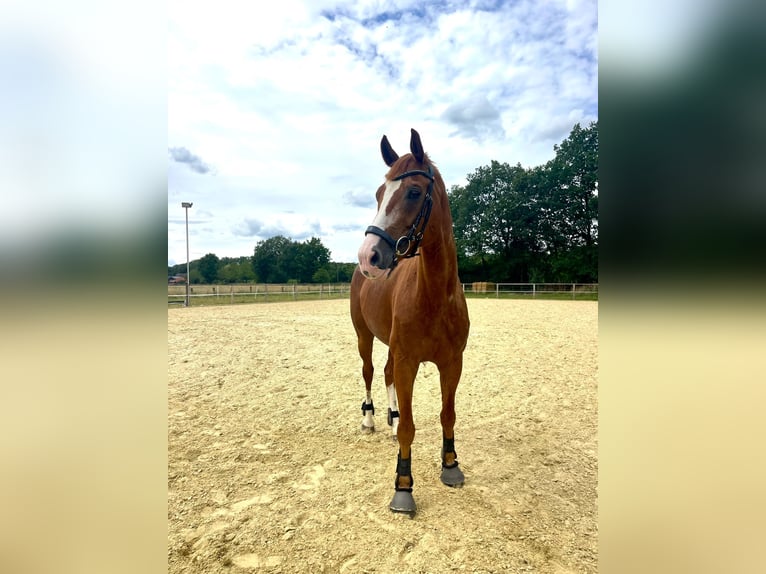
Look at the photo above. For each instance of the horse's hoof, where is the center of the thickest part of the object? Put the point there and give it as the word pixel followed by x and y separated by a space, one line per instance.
pixel 403 502
pixel 453 477
pixel 367 430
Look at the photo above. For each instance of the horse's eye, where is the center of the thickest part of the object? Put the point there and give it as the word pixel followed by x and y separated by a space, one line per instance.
pixel 413 193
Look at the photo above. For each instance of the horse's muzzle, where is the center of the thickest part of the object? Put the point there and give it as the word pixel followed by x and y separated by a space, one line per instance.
pixel 375 257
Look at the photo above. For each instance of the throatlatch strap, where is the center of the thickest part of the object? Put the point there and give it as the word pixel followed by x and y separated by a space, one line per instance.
pixel 368 407
pixel 448 445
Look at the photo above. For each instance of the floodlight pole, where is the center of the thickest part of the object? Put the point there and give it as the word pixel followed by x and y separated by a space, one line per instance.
pixel 186 205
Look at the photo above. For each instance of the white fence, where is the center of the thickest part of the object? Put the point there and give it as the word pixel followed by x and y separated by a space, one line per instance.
pixel 257 293
pixel 254 293
pixel 549 290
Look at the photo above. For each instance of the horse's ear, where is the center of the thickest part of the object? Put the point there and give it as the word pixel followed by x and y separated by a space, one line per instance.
pixel 389 155
pixel 416 147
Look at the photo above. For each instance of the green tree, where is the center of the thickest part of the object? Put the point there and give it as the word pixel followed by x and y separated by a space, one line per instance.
pixel 494 220
pixel 568 204
pixel 245 271
pixel 339 272
pixel 313 256
pixel 227 273
pixel 208 268
pixel 236 270
pixel 279 259
pixel 574 189
pixel 516 224
pixel 302 260
pixel 345 271
pixel 322 276
pixel 268 258
pixel 290 262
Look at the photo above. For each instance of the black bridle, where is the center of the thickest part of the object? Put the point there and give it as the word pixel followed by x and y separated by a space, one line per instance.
pixel 403 245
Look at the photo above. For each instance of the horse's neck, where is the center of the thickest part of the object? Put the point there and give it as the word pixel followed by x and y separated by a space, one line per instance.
pixel 438 261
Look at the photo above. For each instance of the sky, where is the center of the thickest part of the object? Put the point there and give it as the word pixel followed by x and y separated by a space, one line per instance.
pixel 275 116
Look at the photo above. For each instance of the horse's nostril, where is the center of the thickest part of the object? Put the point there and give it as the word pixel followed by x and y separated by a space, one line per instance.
pixel 375 258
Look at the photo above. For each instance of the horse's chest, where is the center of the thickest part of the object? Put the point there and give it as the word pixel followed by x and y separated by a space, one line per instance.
pixel 432 332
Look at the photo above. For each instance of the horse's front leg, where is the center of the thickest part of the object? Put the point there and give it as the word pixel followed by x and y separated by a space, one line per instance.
pixel 393 404
pixel 368 408
pixel 449 376
pixel 404 376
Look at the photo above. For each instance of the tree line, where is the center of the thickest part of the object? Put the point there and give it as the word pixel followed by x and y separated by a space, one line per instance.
pixel 531 225
pixel 275 260
pixel 511 224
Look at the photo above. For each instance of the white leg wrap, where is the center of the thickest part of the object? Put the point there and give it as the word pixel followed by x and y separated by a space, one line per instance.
pixel 393 405
pixel 368 419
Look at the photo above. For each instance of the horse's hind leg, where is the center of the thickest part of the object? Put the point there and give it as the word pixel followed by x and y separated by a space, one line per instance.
pixel 368 408
pixel 393 405
pixel 449 375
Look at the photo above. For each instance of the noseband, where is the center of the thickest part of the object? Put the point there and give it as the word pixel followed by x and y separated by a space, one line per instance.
pixel 403 245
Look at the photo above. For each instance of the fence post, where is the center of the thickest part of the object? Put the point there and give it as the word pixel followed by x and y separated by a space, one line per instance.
pixel 534 289
pixel 573 290
pixel 232 293
pixel 497 290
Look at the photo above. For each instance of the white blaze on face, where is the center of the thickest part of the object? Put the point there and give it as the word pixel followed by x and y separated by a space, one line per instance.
pixel 382 221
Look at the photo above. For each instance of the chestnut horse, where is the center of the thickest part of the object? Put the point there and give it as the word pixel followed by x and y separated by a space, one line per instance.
pixel 406 293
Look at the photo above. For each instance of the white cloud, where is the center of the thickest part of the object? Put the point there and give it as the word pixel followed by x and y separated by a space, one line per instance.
pixel 289 105
pixel 475 117
pixel 194 162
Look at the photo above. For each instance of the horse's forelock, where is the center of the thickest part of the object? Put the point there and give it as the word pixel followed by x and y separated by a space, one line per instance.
pixel 408 162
